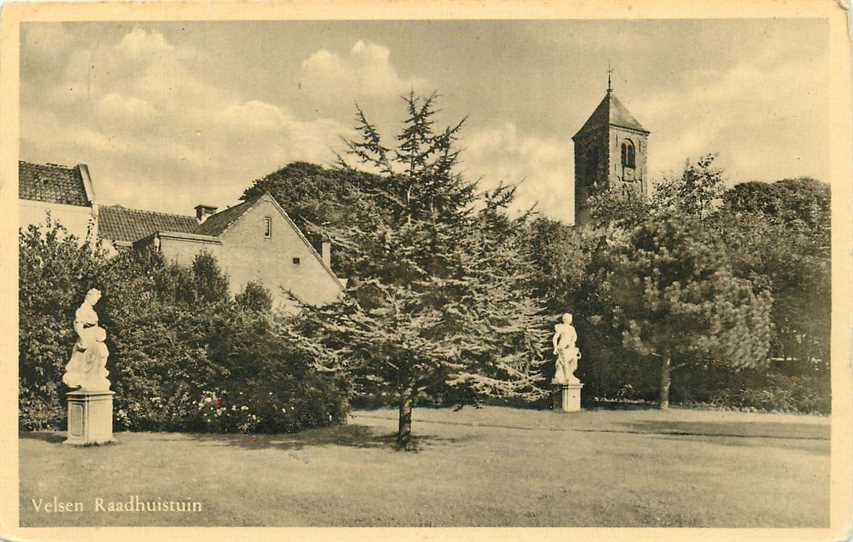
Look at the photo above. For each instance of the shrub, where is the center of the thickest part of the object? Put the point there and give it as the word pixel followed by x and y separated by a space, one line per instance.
pixel 274 375
pixel 55 271
pixel 804 394
pixel 175 340
pixel 254 297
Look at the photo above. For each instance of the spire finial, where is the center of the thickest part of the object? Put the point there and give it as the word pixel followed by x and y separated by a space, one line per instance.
pixel 609 73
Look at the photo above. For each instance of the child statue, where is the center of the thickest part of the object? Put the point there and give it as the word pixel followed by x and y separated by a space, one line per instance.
pixel 87 368
pixel 567 353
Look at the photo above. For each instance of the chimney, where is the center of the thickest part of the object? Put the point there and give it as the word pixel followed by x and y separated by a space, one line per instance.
pixel 203 211
pixel 327 253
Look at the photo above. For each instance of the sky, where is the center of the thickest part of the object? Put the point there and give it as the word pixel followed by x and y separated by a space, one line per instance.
pixel 170 115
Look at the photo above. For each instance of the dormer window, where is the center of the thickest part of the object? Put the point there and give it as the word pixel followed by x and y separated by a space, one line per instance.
pixel 267 227
pixel 628 159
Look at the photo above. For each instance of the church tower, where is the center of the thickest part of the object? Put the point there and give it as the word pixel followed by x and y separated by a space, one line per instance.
pixel 610 153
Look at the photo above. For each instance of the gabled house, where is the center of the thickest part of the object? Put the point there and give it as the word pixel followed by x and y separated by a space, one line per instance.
pixel 252 241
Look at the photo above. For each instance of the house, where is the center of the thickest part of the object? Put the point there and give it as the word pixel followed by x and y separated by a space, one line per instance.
pixel 66 192
pixel 252 241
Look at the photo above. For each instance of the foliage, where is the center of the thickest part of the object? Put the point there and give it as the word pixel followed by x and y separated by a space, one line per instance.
pixel 561 256
pixel 772 392
pixel 55 270
pixel 661 280
pixel 254 297
pixel 439 298
pixel 157 339
pixel 779 236
pixel 698 192
pixel 210 283
pixel 309 193
pixel 617 209
pixel 174 339
pixel 314 197
pixel 674 297
pixel 273 384
pixel 802 203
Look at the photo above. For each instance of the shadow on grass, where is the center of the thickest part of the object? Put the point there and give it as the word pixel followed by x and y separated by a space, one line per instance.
pixel 353 436
pixel 811 446
pixel 619 405
pixel 752 429
pixel 50 437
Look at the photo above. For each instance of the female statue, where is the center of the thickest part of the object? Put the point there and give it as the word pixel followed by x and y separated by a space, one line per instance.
pixel 567 353
pixel 87 367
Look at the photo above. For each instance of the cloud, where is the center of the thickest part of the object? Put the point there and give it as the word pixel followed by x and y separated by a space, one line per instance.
pixel 115 106
pixel 139 43
pixel 155 133
pixel 733 112
pixel 500 153
pixel 366 71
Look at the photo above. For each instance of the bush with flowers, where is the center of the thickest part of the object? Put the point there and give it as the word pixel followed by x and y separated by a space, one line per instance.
pixel 273 384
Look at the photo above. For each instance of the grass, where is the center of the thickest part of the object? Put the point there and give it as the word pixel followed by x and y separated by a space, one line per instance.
pixel 488 467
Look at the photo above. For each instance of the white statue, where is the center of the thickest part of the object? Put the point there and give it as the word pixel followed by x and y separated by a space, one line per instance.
pixel 567 352
pixel 87 368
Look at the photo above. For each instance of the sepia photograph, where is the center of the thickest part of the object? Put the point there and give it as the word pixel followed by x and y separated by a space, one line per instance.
pixel 425 273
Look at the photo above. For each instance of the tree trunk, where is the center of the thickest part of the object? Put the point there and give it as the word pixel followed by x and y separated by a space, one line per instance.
pixel 404 430
pixel 665 379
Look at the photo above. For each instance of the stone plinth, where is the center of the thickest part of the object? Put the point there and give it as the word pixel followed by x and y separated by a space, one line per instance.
pixel 90 417
pixel 567 397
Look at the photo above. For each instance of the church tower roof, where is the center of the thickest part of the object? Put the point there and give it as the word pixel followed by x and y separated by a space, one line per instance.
pixel 611 112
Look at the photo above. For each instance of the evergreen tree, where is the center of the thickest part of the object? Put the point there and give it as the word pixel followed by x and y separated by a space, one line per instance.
pixel 666 283
pixel 440 296
pixel 673 297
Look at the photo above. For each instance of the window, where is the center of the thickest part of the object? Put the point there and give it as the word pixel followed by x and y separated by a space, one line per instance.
pixel 628 154
pixel 296 260
pixel 267 227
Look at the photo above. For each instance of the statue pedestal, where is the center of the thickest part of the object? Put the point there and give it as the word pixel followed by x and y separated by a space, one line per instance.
pixel 90 417
pixel 567 397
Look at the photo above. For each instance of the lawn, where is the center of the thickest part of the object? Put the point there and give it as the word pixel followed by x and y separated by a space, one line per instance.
pixel 493 466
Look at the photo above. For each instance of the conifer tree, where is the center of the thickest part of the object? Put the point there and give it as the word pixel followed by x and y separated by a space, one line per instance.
pixel 440 298
pixel 674 297
pixel 666 284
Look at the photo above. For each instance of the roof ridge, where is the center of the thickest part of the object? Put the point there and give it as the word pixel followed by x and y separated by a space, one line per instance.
pixel 46 164
pixel 227 217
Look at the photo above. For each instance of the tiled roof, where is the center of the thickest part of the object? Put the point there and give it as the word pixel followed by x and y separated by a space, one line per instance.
pixel 119 223
pixel 217 223
pixel 611 112
pixel 52 183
